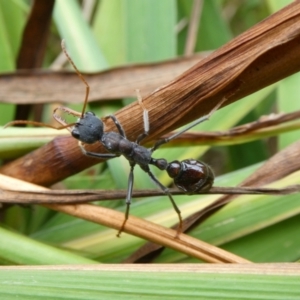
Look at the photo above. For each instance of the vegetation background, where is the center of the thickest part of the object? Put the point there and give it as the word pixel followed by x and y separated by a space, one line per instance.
pixel 105 34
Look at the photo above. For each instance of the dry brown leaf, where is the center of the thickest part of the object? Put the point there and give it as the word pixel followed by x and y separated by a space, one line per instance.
pixel 33 46
pixel 136 226
pixel 83 196
pixel 266 125
pixel 38 86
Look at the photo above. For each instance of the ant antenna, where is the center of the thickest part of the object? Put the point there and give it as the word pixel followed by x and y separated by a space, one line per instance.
pixel 79 75
pixel 69 111
pixel 17 122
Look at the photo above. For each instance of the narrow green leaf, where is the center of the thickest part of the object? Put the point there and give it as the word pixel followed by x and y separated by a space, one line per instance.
pixel 150 29
pixel 79 38
pixel 288 101
pixel 108 28
pixel 19 249
pixel 93 284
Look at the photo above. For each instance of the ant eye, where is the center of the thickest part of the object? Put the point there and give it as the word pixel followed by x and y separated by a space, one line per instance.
pixel 90 113
pixel 75 134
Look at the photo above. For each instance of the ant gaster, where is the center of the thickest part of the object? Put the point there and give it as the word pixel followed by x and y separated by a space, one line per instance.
pixel 189 175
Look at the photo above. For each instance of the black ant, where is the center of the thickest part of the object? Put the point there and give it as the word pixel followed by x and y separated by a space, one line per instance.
pixel 189 175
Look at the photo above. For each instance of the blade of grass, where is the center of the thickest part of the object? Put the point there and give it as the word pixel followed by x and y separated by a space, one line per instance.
pixel 108 28
pixel 214 283
pixel 19 249
pixel 79 38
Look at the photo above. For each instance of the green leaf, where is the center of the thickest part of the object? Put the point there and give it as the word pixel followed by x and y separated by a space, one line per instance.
pixel 127 284
pixel 149 29
pixel 79 38
pixel 21 250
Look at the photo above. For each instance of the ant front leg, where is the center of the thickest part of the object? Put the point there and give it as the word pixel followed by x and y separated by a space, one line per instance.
pixel 145 119
pixel 95 154
pixel 118 125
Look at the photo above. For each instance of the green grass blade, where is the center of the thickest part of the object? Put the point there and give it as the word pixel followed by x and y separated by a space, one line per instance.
pixel 110 284
pixel 21 250
pixel 79 38
pixel 150 29
pixel 108 28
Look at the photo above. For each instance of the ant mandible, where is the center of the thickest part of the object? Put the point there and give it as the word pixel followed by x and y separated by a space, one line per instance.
pixel 189 175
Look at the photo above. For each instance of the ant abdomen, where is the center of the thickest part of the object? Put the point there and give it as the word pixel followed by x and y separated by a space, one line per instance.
pixel 191 175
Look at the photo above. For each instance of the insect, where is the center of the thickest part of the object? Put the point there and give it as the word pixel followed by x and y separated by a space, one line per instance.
pixel 189 175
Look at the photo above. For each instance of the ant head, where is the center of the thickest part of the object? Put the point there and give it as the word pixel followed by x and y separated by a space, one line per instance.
pixel 85 129
pixel 88 129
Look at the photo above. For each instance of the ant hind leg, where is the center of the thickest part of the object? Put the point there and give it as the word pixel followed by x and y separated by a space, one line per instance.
pixel 167 192
pixel 196 122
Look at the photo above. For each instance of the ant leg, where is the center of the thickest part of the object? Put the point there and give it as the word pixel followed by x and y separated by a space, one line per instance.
pixel 18 122
pixel 198 121
pixel 145 118
pixel 128 197
pixel 95 154
pixel 167 192
pixel 118 125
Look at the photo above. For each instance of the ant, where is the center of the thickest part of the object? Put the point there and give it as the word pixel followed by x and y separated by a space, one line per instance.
pixel 189 175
